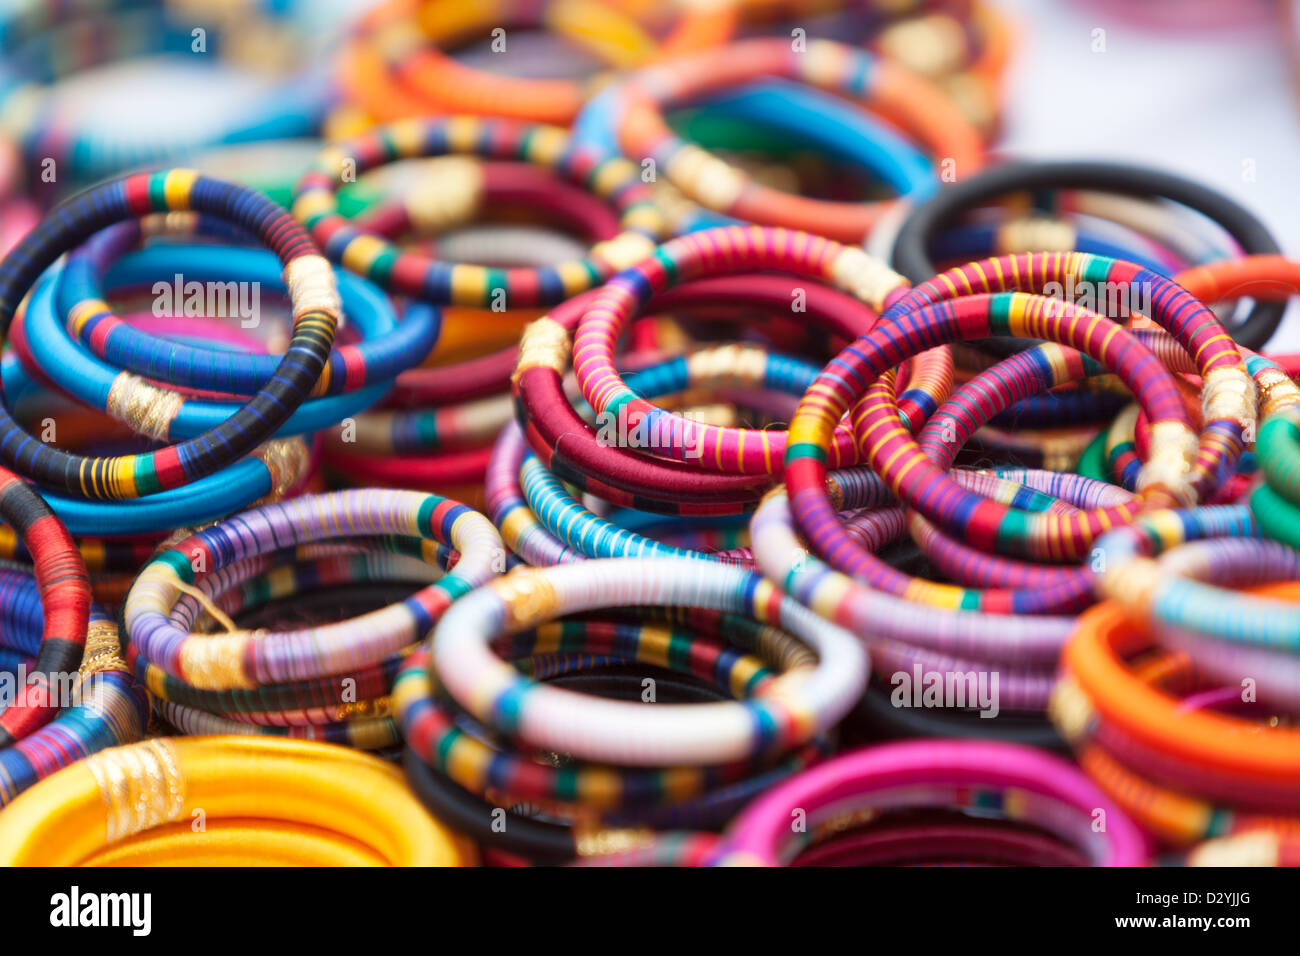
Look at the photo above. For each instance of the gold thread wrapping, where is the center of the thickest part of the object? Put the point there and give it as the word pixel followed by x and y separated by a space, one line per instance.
pixel 145 408
pixel 141 786
pixel 447 194
pixel 1275 391
pixel 178 223
pixel 1070 709
pixel 865 276
pixel 215 662
pixel 601 841
pixel 1228 393
pixel 287 460
pixel 1036 234
pixel 930 45
pixel 624 250
pixel 544 344
pixel 311 285
pixel 103 651
pixel 527 595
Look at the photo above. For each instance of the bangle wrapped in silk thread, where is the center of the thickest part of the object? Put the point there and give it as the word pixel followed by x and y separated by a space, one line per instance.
pixel 108 706
pixel 389 346
pixel 315 307
pixel 243 660
pixel 436 732
pixel 1184 473
pixel 624 736
pixel 65 602
pixel 329 804
pixel 728 249
pixel 961 773
pixel 316 204
pixel 879 85
pixel 157 411
pixel 1207 753
pixel 912 259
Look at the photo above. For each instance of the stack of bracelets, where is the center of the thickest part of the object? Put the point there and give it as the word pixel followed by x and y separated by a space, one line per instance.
pixel 594 432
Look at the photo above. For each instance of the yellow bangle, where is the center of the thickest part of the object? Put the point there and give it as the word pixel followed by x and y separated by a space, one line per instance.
pixel 235 800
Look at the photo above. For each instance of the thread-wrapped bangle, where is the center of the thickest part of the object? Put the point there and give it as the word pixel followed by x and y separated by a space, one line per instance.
pixel 263 799
pixel 315 309
pixel 615 180
pixel 108 706
pixel 723 250
pixel 1211 754
pixel 879 85
pixel 912 258
pixel 441 735
pixel 1185 471
pixel 243 659
pixel 65 602
pixel 388 347
pixel 391 73
pixel 623 735
pixel 1048 791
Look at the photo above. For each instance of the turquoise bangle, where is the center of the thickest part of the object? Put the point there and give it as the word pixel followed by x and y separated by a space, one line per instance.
pixel 78 371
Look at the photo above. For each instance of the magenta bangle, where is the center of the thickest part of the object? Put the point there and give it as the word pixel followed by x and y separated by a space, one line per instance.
pixel 1022 782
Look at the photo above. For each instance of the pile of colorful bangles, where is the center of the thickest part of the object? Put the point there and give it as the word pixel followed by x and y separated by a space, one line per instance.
pixel 554 431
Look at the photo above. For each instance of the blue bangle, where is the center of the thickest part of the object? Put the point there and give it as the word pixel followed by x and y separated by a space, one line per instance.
pixel 81 373
pixel 815 118
pixel 389 347
pixel 232 489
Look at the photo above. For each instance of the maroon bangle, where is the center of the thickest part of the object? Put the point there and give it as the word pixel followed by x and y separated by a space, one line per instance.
pixel 570 448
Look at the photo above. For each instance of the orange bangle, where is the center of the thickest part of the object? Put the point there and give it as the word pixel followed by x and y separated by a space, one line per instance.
pixel 395 66
pixel 1095 680
pixel 907 101
pixel 1268 277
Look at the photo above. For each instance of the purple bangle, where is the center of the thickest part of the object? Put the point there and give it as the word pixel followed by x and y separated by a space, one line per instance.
pixel 1022 782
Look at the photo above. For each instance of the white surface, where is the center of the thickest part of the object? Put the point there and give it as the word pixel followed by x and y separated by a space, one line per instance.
pixel 1199 102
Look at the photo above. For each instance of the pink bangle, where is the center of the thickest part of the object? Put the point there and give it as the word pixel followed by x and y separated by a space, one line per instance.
pixel 1021 782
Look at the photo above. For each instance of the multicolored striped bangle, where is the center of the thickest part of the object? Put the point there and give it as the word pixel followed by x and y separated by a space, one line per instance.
pixel 1167 583
pixel 572 449
pixel 65 602
pixel 879 85
pixel 614 180
pixel 355 719
pixel 1019 782
pixel 723 250
pixel 277 468
pixel 1183 472
pixel 108 706
pixel 473 758
pixel 160 412
pixel 912 258
pixel 539 541
pixel 292 801
pixel 388 347
pixel 1014 586
pixel 628 734
pixel 315 308
pixel 1178 817
pixel 241 659
pixel 902 633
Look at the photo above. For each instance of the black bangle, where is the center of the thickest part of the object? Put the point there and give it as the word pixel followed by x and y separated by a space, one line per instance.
pixel 911 254
pixel 877 717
